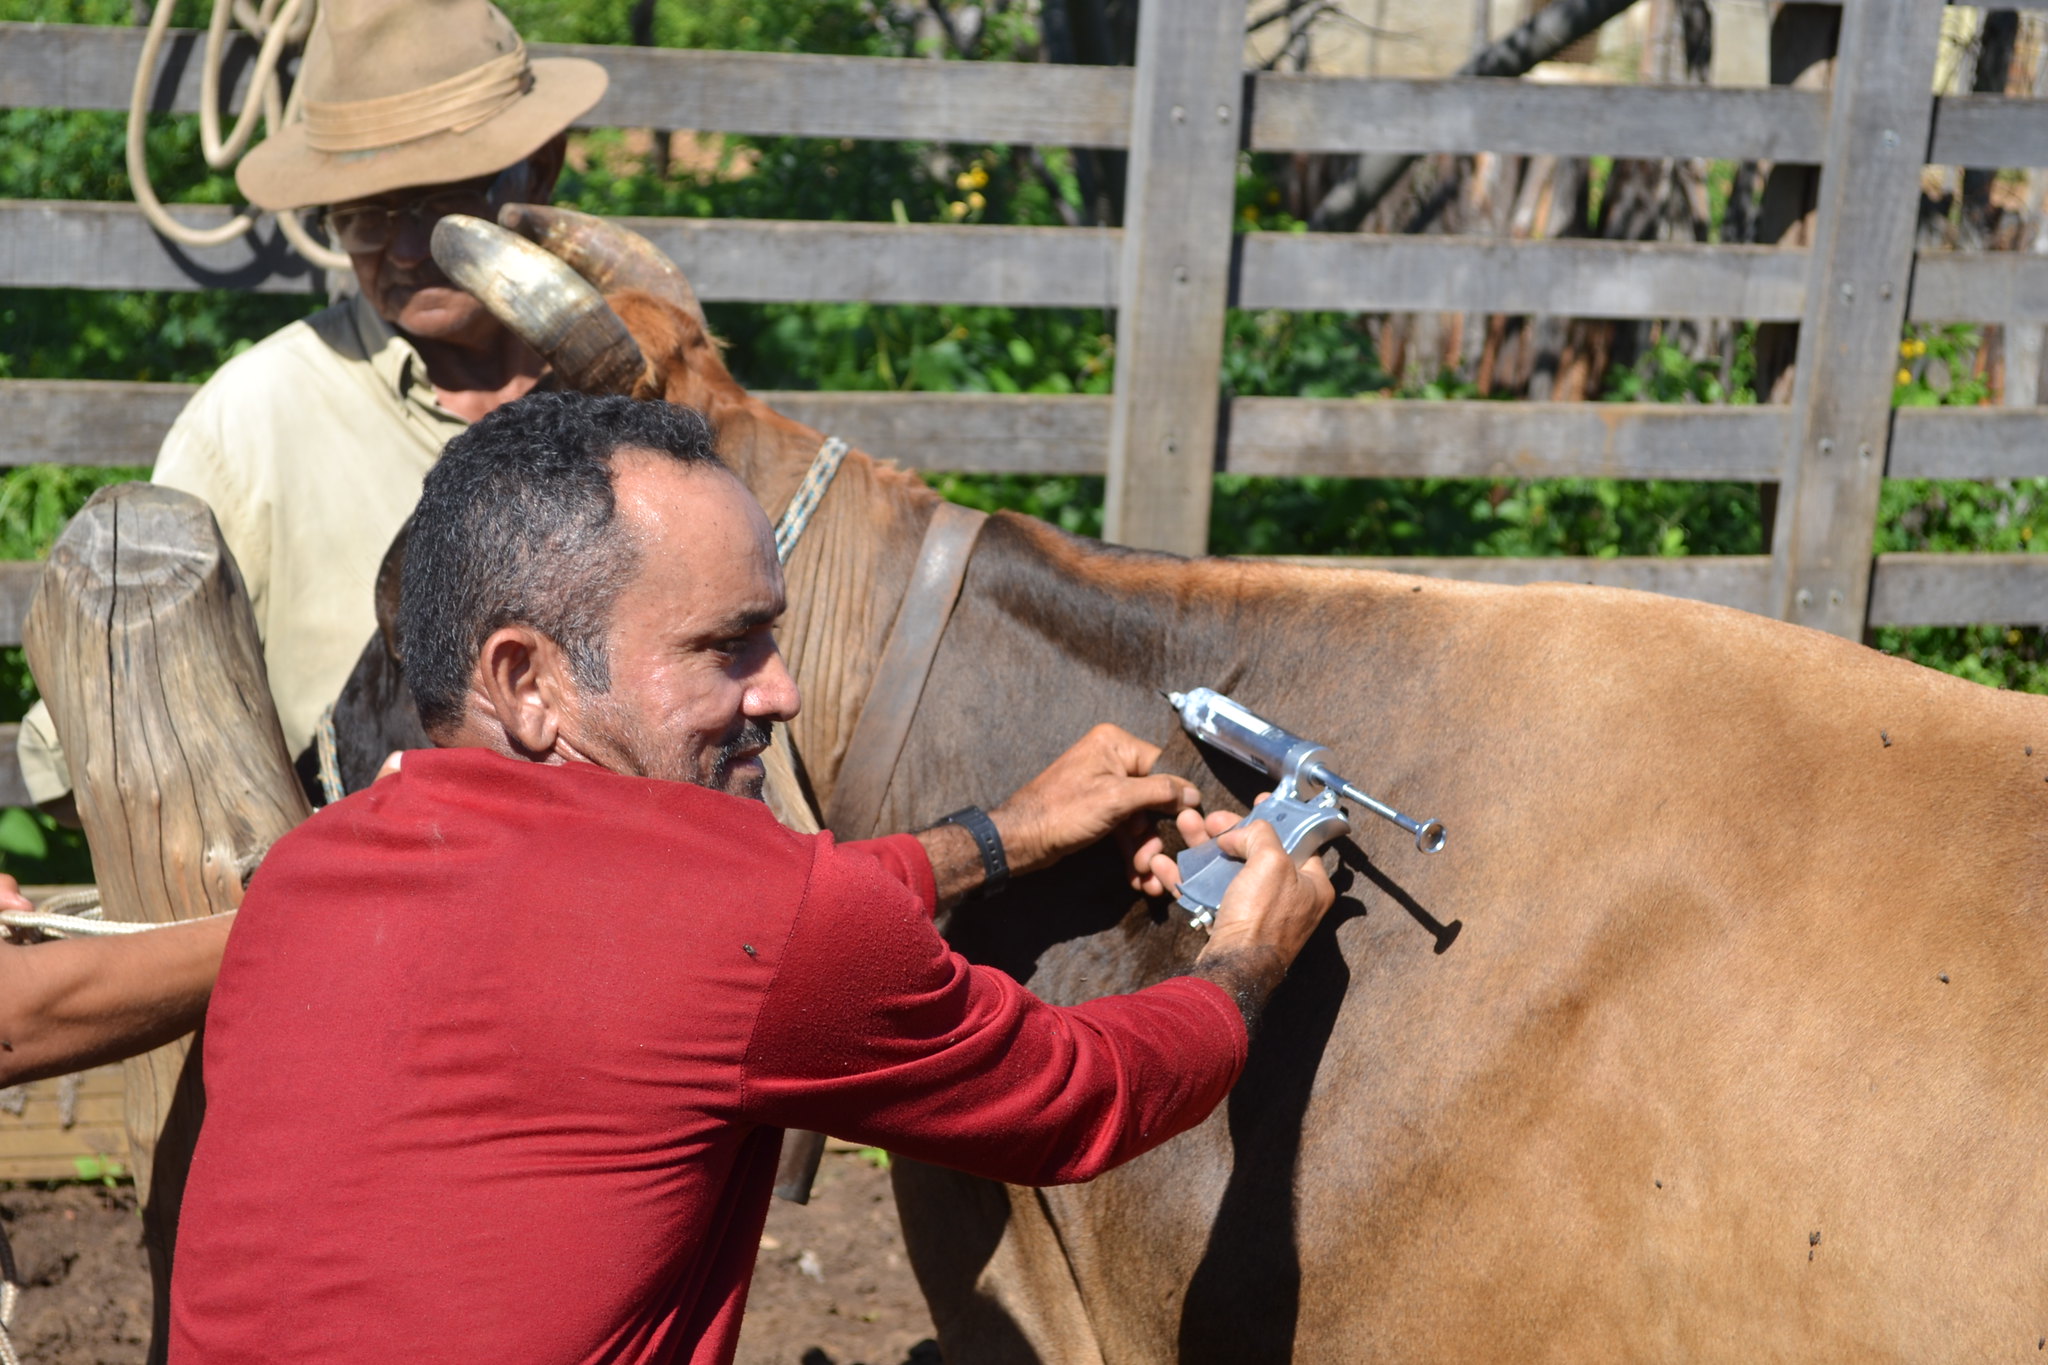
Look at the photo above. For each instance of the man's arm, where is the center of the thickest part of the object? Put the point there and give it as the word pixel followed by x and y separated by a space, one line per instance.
pixel 874 1030
pixel 75 1003
pixel 1088 793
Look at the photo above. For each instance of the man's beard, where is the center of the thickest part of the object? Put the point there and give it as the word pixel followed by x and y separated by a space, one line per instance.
pixel 753 737
pixel 642 753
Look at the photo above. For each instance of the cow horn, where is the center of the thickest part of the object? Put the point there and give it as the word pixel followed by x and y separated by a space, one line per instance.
pixel 544 302
pixel 608 255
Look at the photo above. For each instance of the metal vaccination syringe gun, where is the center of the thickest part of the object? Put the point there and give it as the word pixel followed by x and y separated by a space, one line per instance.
pixel 1303 808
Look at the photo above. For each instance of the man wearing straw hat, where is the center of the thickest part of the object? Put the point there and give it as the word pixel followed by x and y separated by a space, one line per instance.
pixel 310 447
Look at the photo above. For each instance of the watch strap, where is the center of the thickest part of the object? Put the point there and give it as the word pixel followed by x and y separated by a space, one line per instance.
pixel 994 865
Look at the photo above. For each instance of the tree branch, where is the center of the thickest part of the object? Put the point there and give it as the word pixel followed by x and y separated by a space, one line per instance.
pixel 1548 32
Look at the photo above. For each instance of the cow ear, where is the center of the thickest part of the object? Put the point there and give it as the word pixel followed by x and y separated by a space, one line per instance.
pixel 390 577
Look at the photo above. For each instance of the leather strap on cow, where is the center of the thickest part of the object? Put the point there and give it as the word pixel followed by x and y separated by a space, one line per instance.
pixel 884 723
pixel 878 735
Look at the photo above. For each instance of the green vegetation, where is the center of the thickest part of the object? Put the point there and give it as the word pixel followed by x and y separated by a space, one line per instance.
pixel 105 1169
pixel 86 334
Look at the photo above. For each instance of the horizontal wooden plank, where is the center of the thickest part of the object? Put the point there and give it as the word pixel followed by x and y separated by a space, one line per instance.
pixel 69 244
pixel 83 66
pixel 1990 286
pixel 1960 590
pixel 885 98
pixel 1353 114
pixel 92 66
pixel 1741 581
pixel 1397 439
pixel 18 579
pixel 758 261
pixel 1969 443
pixel 86 421
pixel 43 1114
pixel 35 1144
pixel 12 792
pixel 80 422
pixel 64 244
pixel 1989 131
pixel 973 432
pixel 1372 273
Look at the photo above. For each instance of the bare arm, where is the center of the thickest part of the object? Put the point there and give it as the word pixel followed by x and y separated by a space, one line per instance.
pixel 76 1003
pixel 1103 783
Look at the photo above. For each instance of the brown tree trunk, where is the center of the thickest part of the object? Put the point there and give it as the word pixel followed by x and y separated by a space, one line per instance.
pixel 141 638
pixel 1802 54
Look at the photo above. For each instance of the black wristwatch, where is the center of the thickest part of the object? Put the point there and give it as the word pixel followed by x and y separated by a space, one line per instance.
pixel 995 867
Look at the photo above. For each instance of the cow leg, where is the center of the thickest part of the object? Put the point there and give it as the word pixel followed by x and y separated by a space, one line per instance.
pixel 992 1270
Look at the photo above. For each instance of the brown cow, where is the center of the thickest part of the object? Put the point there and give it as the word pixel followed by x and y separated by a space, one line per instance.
pixel 1720 1029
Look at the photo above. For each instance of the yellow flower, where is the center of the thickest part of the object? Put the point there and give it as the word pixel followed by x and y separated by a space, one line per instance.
pixel 2026 533
pixel 1251 213
pixel 2012 637
pixel 976 202
pixel 957 209
pixel 1905 376
pixel 973 178
pixel 1912 348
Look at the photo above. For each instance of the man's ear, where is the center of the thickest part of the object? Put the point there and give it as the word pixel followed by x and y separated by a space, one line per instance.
pixel 521 676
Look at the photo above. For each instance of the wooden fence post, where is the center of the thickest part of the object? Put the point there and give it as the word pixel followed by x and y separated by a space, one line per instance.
pixel 1187 118
pixel 1858 277
pixel 141 637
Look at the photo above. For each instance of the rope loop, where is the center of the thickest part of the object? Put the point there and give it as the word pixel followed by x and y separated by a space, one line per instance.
pixel 276 23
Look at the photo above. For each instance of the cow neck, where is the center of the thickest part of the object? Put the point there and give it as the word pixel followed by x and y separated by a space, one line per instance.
pixel 845 579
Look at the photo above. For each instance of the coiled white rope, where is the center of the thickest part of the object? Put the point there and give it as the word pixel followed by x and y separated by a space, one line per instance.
pixel 70 914
pixel 276 23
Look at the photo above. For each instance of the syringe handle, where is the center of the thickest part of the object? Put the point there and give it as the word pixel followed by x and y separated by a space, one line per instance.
pixel 1206 871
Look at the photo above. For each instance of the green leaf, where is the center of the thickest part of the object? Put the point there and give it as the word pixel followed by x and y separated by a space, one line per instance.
pixel 20 835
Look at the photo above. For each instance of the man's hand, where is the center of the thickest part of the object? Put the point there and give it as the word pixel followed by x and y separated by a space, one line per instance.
pixel 1272 906
pixel 1102 785
pixel 1089 791
pixel 1268 913
pixel 1155 874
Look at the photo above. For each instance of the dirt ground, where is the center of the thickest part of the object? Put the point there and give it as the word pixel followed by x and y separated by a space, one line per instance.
pixel 831 1287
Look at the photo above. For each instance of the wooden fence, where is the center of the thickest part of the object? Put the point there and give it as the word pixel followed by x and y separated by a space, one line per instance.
pixel 1184 113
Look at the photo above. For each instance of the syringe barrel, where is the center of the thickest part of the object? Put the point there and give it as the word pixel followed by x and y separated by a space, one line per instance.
pixel 1218 720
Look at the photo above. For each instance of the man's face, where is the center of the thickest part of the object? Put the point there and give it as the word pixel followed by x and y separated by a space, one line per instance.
pixel 696 676
pixel 388 237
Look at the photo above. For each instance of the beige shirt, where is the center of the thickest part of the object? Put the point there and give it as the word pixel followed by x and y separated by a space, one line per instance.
pixel 310 447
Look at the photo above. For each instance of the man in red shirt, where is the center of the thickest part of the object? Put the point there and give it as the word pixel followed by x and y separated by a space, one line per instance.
pixel 502 1047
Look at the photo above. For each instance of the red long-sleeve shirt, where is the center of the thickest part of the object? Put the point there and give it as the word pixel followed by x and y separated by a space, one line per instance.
pixel 500 1054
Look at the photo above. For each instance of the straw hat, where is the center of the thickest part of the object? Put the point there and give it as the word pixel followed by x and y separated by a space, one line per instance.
pixel 400 93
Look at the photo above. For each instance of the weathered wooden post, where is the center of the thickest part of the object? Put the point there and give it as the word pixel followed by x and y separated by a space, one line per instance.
pixel 142 640
pixel 1187 119
pixel 1857 280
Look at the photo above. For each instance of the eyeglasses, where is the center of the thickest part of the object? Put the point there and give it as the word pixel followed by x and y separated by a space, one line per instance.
pixel 360 229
